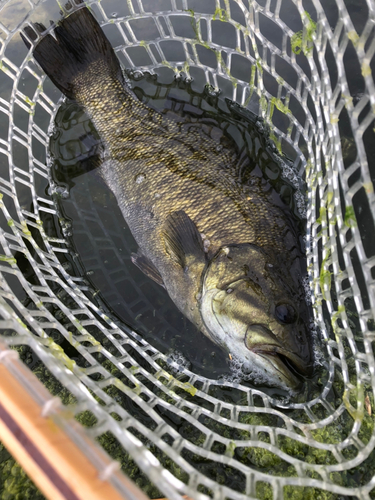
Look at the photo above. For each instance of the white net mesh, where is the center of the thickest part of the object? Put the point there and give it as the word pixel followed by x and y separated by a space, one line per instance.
pixel 307 68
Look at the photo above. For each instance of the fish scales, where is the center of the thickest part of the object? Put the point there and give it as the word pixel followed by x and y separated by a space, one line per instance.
pixel 183 167
pixel 240 284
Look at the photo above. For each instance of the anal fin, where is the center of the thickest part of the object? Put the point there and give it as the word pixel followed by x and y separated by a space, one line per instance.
pixel 147 267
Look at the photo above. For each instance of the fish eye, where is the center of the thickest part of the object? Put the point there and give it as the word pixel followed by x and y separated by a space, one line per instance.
pixel 285 313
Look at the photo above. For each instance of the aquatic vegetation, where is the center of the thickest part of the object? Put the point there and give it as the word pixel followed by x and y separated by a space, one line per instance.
pixel 220 14
pixel 14 482
pixel 350 218
pixel 302 41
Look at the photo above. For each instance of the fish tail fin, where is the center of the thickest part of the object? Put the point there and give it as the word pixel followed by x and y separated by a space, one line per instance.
pixel 79 43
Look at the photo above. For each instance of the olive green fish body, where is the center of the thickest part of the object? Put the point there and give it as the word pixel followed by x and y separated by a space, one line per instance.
pixel 155 169
pixel 226 252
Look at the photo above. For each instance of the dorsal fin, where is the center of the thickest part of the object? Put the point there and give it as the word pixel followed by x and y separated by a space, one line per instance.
pixel 182 239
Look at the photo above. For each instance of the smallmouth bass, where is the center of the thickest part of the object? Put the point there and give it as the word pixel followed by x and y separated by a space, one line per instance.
pixel 226 251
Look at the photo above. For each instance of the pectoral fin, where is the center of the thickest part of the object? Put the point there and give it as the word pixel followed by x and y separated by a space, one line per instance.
pixel 182 240
pixel 147 267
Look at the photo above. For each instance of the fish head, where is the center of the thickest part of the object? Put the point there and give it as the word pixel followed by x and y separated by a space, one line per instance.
pixel 256 310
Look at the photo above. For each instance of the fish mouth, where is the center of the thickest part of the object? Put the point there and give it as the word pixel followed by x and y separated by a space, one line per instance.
pixel 290 366
pixel 282 363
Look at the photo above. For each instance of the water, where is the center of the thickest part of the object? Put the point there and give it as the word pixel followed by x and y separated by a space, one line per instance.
pixel 100 239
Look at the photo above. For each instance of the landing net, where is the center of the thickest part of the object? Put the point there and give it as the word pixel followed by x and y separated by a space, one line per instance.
pixel 307 69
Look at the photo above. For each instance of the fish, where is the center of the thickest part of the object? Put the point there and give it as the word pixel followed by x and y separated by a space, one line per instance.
pixel 228 252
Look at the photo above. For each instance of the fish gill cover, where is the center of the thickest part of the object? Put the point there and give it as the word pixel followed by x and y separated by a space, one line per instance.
pixel 222 437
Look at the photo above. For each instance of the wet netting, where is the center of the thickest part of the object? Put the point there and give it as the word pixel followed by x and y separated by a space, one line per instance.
pixel 306 68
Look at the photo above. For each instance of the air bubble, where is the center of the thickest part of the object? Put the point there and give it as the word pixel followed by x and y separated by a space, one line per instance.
pixel 61 192
pixel 178 358
pixel 135 74
pixel 244 371
pixel 307 289
pixel 246 368
pixel 66 227
pixel 212 91
pixel 301 204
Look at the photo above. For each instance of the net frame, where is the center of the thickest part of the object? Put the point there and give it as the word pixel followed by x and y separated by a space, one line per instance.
pixel 335 240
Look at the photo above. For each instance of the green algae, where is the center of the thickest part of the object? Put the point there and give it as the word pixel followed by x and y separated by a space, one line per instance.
pixel 251 84
pixel 259 65
pixel 221 62
pixel 349 218
pixel 128 465
pixel 278 103
pixel 366 70
pixel 59 353
pixel 335 316
pixel 264 459
pixel 353 37
pixel 168 65
pixel 120 384
pixel 9 260
pixel 25 229
pixel 333 119
pixel 277 142
pixel 231 447
pixel 307 493
pixel 194 25
pixel 29 101
pixel 186 386
pixel 86 418
pixel 293 447
pixel 348 100
pixel 263 103
pixel 264 490
pixel 325 276
pixel 369 188
pixel 354 395
pixel 78 325
pixel 366 430
pixel 72 341
pixel 309 168
pixel 302 41
pixel 220 14
pixel 14 482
